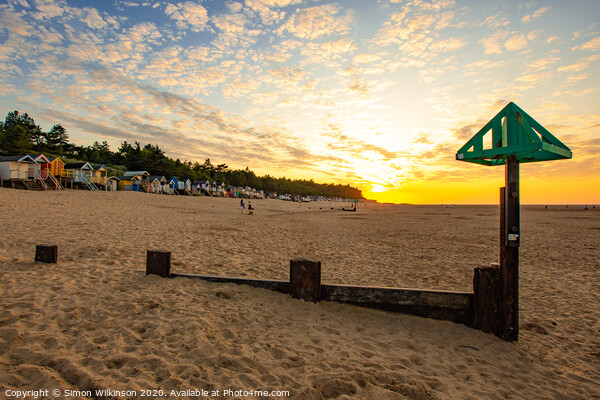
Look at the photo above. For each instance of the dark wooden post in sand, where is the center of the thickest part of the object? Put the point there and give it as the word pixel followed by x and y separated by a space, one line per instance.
pixel 158 263
pixel 509 252
pixel 46 254
pixel 486 299
pixel 305 279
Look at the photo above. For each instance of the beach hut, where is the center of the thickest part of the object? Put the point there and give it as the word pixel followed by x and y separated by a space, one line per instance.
pixel 207 188
pixel 43 163
pixel 47 168
pixel 57 166
pixel 41 171
pixel 17 167
pixel 176 185
pixel 156 183
pixel 113 182
pixel 129 183
pixel 197 187
pixel 79 175
pixel 100 176
pixel 165 187
pixel 144 175
pixel 188 184
pixel 19 172
pixel 173 183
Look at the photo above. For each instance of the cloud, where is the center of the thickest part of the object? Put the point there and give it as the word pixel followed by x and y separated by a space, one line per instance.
pixel 579 65
pixel 516 42
pixel 327 53
pixel 484 64
pixel 287 77
pixel 592 45
pixel 356 148
pixel 366 58
pixel 93 19
pixel 280 3
pixel 359 86
pixel 314 22
pixel 240 88
pixel 14 23
pixel 538 13
pixel 48 9
pixel 267 15
pixel 496 21
pixel 188 15
pixel 543 63
pixel 446 45
pixel 492 44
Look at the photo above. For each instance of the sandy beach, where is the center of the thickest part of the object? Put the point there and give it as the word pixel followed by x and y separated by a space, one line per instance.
pixel 94 322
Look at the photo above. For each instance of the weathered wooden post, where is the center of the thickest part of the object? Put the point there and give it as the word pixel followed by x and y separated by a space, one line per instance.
pixel 305 279
pixel 46 254
pixel 516 138
pixel 486 299
pixel 158 263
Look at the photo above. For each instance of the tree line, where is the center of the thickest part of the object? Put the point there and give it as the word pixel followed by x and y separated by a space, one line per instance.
pixel 19 134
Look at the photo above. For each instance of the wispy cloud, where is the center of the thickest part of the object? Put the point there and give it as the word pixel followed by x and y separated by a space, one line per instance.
pixel 516 42
pixel 318 21
pixel 591 45
pixel 188 15
pixel 536 14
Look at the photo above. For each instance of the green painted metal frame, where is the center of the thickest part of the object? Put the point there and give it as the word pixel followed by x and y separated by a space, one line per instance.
pixel 514 133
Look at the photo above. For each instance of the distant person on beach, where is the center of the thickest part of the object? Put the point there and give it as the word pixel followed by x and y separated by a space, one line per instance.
pixel 242 206
pixel 250 209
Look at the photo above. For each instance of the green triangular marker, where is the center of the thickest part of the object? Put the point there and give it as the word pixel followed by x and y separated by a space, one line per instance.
pixel 514 133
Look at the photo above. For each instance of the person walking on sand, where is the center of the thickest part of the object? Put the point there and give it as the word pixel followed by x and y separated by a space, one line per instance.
pixel 250 209
pixel 242 207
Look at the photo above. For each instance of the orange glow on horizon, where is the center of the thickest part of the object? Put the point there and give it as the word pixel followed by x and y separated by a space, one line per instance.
pixel 533 191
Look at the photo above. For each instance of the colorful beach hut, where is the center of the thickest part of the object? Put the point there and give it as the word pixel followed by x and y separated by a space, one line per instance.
pixel 113 182
pixel 129 183
pixel 43 171
pixel 176 184
pixel 16 167
pixel 197 185
pixel 42 164
pixel 100 176
pixel 18 170
pixel 156 183
pixel 79 175
pixel 142 175
pixel 57 166
pixel 143 184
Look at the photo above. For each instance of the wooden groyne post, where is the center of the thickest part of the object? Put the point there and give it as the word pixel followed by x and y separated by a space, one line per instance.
pixel 158 263
pixel 486 299
pixel 46 254
pixel 305 279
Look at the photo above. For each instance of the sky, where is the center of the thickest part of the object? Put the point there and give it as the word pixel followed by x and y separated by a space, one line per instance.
pixel 378 94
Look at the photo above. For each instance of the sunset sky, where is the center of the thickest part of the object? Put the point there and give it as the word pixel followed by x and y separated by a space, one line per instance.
pixel 376 94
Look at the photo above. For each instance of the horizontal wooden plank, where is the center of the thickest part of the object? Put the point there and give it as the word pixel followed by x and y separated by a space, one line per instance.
pixel 278 286
pixel 445 305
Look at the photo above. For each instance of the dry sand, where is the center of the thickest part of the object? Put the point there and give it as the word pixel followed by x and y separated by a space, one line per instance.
pixel 93 322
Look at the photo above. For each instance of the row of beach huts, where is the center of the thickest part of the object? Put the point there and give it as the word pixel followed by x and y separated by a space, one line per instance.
pixel 38 172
